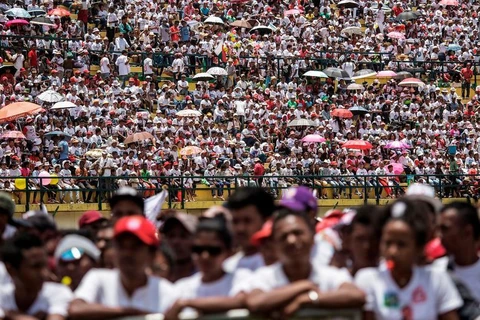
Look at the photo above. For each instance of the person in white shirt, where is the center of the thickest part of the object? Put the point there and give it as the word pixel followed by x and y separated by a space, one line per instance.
pixel 250 208
pixel 128 290
pixel 105 66
pixel 399 288
pixel 459 227
pixel 211 290
pixel 123 67
pixel 294 282
pixel 25 259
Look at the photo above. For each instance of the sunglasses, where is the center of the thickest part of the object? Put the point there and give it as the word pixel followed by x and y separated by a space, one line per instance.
pixel 211 250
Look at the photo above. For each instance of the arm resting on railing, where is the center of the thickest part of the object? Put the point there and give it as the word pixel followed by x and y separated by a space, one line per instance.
pixel 80 309
pixel 259 301
pixel 207 305
pixel 347 296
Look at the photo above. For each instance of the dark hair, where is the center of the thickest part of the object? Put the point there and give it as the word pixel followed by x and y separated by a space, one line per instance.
pixel 168 253
pixel 217 224
pixel 413 213
pixel 467 214
pixel 12 250
pixel 255 196
pixel 284 212
pixel 369 216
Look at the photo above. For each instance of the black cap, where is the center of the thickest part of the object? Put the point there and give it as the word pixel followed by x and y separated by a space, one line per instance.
pixel 127 193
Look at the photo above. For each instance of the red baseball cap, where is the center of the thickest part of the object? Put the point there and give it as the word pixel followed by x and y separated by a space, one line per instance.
pixel 262 234
pixel 89 217
pixel 140 227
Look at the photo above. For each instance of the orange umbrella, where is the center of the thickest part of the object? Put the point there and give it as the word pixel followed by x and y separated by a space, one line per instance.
pixel 17 110
pixel 341 113
pixel 61 12
pixel 357 145
pixel 139 136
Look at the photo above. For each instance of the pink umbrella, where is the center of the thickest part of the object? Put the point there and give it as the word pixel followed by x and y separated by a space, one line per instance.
pixel 449 3
pixel 396 35
pixel 397 145
pixel 313 138
pixel 386 74
pixel 292 12
pixel 17 22
pixel 397 167
pixel 411 82
pixel 13 135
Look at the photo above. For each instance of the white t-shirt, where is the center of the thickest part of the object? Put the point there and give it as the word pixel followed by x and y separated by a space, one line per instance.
pixel 229 285
pixel 105 65
pixel 123 66
pixel 104 287
pixel 470 276
pixel 4 276
pixel 241 261
pixel 429 293
pixel 54 298
pixel 327 278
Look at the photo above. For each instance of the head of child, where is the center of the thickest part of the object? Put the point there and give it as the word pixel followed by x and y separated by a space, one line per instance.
pixel 404 233
pixel 212 244
pixel 292 233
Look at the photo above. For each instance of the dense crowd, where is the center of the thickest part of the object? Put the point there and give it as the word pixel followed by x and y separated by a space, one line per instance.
pixel 413 259
pixel 253 116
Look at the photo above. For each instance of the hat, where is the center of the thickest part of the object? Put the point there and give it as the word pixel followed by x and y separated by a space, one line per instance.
pixel 262 234
pixel 73 247
pixel 423 192
pixel 299 199
pixel 90 217
pixel 127 193
pixel 138 226
pixel 189 222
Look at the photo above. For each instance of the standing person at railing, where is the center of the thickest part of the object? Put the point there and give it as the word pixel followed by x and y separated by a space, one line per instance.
pixel 128 290
pixel 294 282
pixel 211 290
pixel 399 288
pixel 250 208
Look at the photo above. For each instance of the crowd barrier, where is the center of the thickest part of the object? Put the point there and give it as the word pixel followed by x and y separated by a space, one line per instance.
pixel 197 62
pixel 241 314
pixel 181 189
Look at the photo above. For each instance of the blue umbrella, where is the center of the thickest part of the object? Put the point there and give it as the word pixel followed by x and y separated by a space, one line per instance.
pixel 454 47
pixel 52 134
pixel 18 13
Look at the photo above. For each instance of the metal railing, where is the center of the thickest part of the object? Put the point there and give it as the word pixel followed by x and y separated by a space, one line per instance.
pixel 242 314
pixel 271 64
pixel 183 189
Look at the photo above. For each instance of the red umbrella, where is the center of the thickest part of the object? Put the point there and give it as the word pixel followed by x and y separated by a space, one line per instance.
pixel 341 113
pixel 59 12
pixel 358 145
pixel 17 22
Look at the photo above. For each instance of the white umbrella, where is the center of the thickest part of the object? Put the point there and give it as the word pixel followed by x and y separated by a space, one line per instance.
pixel 214 20
pixel 50 96
pixel 203 76
pixel 355 86
pixel 217 71
pixel 315 74
pixel 63 105
pixel 352 30
pixel 188 113
pixel 301 123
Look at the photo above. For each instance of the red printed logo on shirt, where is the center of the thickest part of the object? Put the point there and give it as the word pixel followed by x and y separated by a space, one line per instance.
pixel 418 295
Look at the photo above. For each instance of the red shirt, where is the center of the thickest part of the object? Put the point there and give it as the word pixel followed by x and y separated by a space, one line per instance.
pixel 32 55
pixel 174 33
pixel 258 169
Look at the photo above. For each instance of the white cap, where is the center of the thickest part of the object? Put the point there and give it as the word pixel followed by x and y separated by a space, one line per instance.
pixel 424 192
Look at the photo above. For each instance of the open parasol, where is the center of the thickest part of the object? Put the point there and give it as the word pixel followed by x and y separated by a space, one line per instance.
pixel 139 136
pixel 13 135
pixel 341 113
pixel 188 113
pixel 313 138
pixel 17 110
pixel 191 151
pixel 357 145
